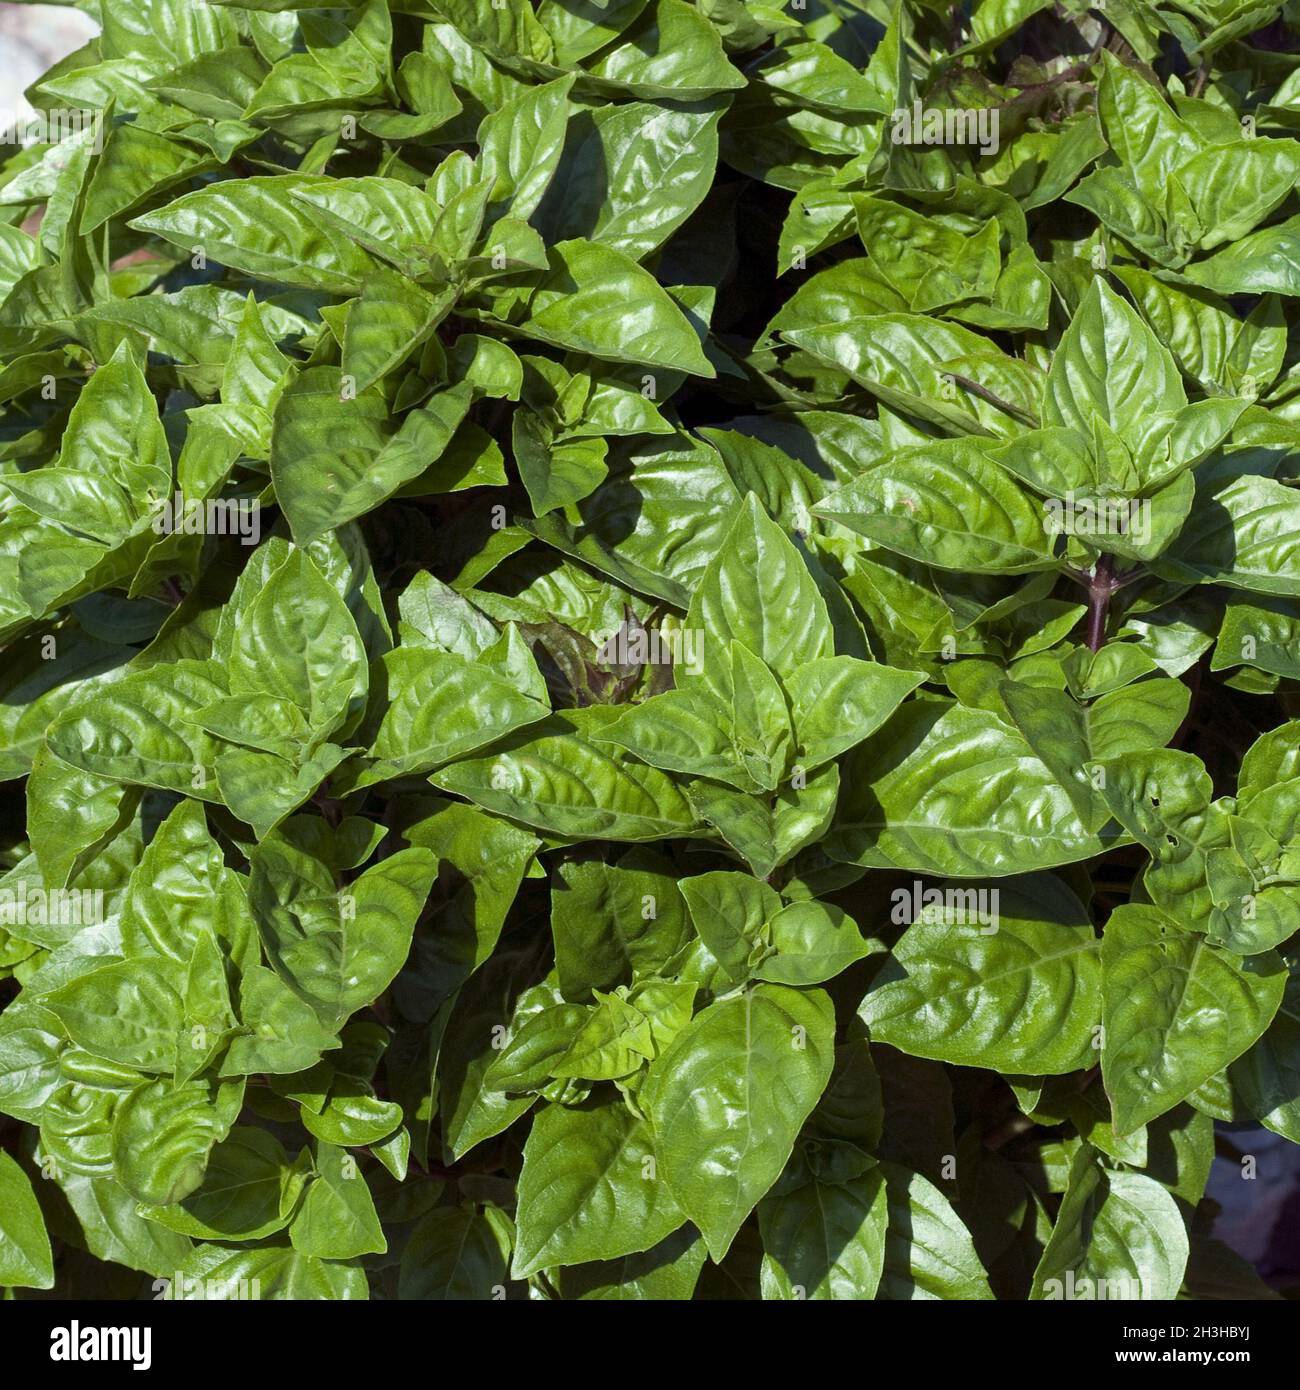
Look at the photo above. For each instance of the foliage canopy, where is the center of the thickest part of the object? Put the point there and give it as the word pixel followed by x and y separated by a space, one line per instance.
pixel 725 724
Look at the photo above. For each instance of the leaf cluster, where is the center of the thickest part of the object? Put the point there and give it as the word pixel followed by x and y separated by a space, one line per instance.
pixel 726 725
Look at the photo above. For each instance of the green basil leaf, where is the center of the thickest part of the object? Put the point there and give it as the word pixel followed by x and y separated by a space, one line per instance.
pixel 25 1257
pixel 589 1189
pixel 728 1096
pixel 1176 1010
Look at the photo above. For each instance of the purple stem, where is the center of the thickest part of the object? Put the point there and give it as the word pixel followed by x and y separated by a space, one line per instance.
pixel 1100 588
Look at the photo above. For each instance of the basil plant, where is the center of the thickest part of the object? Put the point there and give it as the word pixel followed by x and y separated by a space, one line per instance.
pixel 651 650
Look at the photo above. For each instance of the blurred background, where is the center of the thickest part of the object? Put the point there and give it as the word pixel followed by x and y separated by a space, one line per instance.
pixel 32 37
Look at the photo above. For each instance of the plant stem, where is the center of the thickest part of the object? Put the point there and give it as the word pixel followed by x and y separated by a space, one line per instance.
pixel 1099 592
pixel 1192 679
